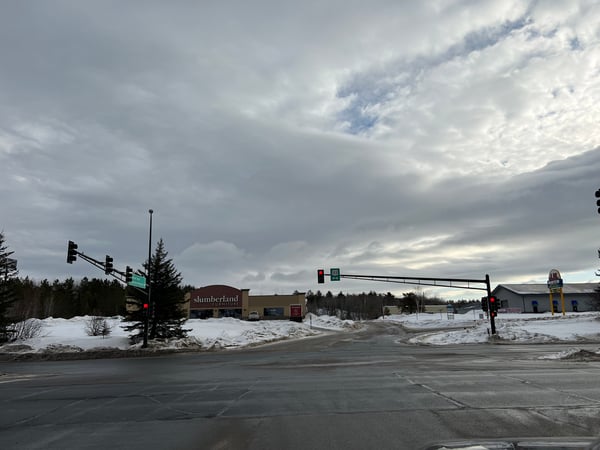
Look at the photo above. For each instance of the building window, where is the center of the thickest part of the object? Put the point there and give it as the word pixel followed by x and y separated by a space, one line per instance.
pixel 236 313
pixel 273 312
pixel 201 313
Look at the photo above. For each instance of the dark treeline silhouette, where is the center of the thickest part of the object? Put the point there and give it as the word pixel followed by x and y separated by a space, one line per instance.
pixel 365 306
pixel 68 298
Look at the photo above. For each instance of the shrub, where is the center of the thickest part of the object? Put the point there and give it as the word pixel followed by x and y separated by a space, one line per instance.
pixel 97 326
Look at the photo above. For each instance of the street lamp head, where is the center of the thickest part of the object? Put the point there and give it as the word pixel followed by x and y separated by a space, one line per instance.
pixel 150 211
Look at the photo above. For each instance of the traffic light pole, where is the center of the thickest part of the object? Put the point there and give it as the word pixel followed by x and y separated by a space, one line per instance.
pixel 122 276
pixel 459 283
pixel 149 281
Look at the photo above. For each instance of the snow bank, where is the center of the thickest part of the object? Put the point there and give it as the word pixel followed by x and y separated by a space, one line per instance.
pixel 468 328
pixel 70 336
pixel 330 322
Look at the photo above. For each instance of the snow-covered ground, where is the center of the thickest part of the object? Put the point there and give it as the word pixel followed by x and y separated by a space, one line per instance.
pixel 531 328
pixel 70 334
pixel 62 335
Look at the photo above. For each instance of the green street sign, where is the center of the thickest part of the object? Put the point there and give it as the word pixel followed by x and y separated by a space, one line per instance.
pixel 334 274
pixel 138 281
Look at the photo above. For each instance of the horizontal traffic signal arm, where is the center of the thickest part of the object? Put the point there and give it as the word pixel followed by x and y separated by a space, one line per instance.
pixel 460 283
pixel 105 265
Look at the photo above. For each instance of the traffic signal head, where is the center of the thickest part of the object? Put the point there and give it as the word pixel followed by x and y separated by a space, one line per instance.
pixel 72 252
pixel 108 265
pixel 493 305
pixel 128 275
pixel 145 306
pixel 598 201
pixel 484 303
pixel 320 276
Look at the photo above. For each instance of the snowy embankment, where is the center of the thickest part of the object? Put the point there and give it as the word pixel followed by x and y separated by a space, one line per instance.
pixel 439 329
pixel 70 335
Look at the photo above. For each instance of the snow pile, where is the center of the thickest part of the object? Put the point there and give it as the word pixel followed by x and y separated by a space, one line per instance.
pixel 70 336
pixel 330 322
pixel 531 328
pixel 574 354
pixel 231 333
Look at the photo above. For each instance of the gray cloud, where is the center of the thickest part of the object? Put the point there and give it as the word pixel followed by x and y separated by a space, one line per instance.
pixel 271 139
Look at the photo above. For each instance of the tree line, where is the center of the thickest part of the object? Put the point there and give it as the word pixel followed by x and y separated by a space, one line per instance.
pixel 367 306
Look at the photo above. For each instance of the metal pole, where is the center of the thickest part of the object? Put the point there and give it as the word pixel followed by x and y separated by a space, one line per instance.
pixel 489 294
pixel 148 274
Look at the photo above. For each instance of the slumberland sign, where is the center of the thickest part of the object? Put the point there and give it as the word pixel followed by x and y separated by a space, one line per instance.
pixel 216 296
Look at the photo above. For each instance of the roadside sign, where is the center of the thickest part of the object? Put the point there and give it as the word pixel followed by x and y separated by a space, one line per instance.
pixel 334 274
pixel 138 281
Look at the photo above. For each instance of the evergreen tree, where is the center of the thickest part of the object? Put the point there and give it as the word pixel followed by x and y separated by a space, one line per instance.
pixel 7 295
pixel 166 309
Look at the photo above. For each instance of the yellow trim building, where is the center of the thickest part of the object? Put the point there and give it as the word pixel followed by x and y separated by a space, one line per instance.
pixel 226 301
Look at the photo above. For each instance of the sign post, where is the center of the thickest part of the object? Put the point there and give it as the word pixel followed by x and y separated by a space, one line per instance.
pixel 555 285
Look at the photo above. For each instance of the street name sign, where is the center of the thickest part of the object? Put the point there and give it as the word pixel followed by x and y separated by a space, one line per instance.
pixel 138 281
pixel 334 274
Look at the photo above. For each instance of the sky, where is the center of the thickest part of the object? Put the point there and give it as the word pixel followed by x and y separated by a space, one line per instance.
pixel 444 139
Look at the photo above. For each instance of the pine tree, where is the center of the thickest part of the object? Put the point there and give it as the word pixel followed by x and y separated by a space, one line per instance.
pixel 7 295
pixel 166 309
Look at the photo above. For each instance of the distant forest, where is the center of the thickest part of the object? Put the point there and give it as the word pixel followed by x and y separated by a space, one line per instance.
pixel 70 298
pixel 103 297
pixel 371 305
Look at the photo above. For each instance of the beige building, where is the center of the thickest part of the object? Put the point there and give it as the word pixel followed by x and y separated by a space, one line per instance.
pixel 226 301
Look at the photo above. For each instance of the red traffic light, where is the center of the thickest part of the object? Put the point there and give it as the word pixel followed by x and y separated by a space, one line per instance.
pixel 320 276
pixel 145 305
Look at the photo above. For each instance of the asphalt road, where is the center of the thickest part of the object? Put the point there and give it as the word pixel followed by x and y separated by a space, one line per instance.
pixel 357 390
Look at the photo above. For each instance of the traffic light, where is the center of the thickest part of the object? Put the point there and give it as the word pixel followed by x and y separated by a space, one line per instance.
pixel 128 275
pixel 145 306
pixel 108 265
pixel 598 201
pixel 320 276
pixel 484 303
pixel 493 305
pixel 72 252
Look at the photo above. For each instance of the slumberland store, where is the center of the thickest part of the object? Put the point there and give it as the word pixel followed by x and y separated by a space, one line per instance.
pixel 226 301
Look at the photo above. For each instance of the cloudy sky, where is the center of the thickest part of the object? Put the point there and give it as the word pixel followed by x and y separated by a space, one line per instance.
pixel 441 138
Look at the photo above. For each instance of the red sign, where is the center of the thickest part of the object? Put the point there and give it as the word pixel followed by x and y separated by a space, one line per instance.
pixel 216 296
pixel 295 310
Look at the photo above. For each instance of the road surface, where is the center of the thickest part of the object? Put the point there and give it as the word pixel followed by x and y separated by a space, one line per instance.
pixel 348 390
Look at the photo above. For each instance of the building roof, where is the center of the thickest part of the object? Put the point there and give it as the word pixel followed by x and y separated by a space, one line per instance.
pixel 568 288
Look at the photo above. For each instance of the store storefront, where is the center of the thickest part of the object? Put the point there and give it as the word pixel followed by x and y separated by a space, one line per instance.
pixel 226 301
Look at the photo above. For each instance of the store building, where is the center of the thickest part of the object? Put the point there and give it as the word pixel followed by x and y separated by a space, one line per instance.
pixel 226 301
pixel 534 298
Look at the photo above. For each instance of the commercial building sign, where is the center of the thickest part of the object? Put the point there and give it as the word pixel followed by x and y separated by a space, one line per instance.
pixel 555 282
pixel 216 296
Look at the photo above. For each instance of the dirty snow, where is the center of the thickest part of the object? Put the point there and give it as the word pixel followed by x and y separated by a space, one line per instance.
pixel 69 335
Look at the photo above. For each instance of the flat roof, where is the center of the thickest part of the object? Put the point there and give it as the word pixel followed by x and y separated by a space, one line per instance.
pixel 568 288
